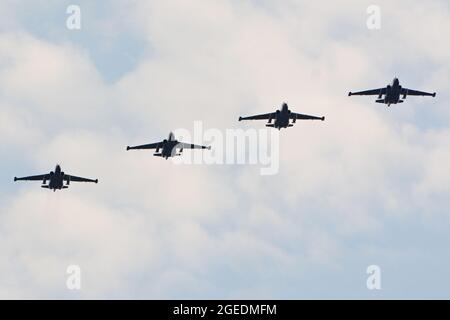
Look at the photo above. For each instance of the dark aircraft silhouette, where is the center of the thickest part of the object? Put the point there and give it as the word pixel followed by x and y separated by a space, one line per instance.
pixel 281 117
pixel 391 93
pixel 56 179
pixel 168 147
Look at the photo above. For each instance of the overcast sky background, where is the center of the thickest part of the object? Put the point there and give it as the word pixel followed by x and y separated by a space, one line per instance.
pixel 370 185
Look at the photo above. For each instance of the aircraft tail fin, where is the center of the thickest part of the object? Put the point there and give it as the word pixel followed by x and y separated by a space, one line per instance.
pixel 400 101
pixel 290 125
pixel 380 101
pixel 270 125
pixel 158 154
pixel 45 187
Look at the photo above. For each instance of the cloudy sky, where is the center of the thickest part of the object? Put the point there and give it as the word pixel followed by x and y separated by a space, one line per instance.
pixel 369 186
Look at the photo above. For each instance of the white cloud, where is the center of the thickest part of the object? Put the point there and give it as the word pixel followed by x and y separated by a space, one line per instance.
pixel 154 229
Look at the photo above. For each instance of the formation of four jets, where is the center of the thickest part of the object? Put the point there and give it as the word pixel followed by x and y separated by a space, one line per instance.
pixel 283 118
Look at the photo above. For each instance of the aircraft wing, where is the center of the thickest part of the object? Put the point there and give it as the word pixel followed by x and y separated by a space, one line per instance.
pixel 299 116
pixel 372 92
pixel 41 177
pixel 156 145
pixel 410 92
pixel 182 145
pixel 264 116
pixel 78 179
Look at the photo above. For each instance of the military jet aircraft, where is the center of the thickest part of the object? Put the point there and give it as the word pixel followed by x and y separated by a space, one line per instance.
pixel 282 117
pixel 391 93
pixel 56 179
pixel 168 147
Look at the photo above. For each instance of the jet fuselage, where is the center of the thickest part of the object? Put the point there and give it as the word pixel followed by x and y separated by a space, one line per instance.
pixel 282 117
pixel 56 181
pixel 392 93
pixel 168 147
